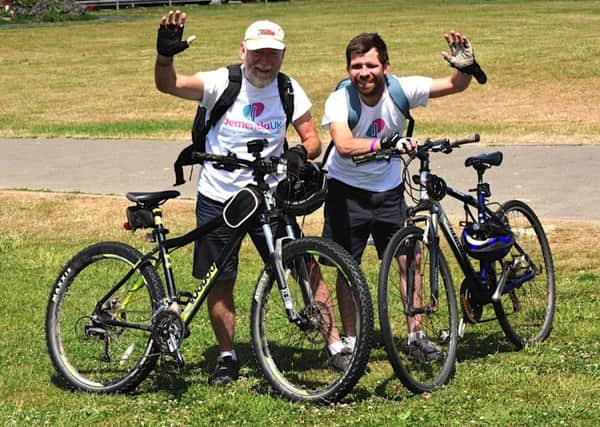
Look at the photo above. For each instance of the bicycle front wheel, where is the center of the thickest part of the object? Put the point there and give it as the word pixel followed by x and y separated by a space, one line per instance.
pixel 526 309
pixel 330 296
pixel 424 360
pixel 97 343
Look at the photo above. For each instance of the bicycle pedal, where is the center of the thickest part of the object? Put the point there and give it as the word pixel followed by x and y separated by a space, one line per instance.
pixel 184 298
pixel 173 363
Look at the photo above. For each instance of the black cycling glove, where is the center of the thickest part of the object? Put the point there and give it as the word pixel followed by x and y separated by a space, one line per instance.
pixel 296 157
pixel 168 41
pixel 390 141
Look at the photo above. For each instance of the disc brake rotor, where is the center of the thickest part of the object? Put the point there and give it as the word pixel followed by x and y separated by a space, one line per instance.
pixel 319 322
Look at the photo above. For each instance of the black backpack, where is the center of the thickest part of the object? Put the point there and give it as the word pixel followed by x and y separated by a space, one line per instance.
pixel 202 126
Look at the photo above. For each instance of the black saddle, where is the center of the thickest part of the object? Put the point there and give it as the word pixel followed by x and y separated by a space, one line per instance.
pixel 154 198
pixel 485 160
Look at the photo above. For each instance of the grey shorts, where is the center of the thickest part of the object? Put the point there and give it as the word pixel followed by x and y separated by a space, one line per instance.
pixel 352 214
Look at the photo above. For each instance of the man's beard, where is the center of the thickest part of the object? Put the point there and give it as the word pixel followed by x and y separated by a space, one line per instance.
pixel 260 80
pixel 377 86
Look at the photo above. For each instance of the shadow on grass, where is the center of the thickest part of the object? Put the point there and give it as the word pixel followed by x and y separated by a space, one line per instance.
pixel 475 344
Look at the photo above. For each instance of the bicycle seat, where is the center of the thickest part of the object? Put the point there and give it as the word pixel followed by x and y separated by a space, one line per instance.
pixel 152 198
pixel 485 160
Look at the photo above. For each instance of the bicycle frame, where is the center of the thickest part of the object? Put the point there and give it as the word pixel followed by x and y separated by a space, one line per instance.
pixel 160 254
pixel 437 219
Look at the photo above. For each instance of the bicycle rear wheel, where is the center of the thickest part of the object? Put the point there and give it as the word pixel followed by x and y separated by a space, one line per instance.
pixel 88 352
pixel 526 309
pixel 421 368
pixel 294 356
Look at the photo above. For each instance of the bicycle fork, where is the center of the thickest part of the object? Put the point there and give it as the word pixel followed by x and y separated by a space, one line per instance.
pixel 276 254
pixel 414 267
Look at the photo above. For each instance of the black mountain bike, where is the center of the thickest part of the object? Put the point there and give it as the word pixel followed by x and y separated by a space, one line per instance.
pixel 110 319
pixel 502 251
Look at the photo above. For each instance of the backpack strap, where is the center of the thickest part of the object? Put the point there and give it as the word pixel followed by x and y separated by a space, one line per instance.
pixel 286 95
pixel 401 101
pixel 352 100
pixel 201 126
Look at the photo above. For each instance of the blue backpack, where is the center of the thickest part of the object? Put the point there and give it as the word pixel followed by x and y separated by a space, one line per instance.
pixel 353 102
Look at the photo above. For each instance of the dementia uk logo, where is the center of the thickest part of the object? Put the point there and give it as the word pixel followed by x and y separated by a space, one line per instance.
pixel 375 127
pixel 252 113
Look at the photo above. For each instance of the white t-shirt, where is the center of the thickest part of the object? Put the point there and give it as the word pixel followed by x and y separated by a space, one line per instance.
pixel 380 120
pixel 257 113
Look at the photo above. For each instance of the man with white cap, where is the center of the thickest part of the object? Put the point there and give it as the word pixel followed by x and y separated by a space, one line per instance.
pixel 256 113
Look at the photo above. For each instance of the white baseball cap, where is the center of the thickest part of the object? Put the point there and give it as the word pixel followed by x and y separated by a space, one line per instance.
pixel 264 35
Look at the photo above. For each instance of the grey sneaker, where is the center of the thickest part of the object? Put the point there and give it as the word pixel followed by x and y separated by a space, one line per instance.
pixel 340 361
pixel 423 350
pixel 226 372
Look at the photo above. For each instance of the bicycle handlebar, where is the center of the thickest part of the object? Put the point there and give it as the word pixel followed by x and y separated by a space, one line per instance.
pixel 443 145
pixel 231 162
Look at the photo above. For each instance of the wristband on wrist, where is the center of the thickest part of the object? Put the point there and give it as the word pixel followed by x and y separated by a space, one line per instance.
pixel 373 144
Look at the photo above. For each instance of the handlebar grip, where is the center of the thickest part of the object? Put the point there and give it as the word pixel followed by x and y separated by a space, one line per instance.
pixel 364 158
pixel 468 140
pixel 201 156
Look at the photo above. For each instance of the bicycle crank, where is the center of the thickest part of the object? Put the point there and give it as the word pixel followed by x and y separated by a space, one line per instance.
pixel 168 330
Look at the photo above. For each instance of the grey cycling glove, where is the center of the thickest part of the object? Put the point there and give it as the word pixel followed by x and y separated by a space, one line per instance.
pixel 463 59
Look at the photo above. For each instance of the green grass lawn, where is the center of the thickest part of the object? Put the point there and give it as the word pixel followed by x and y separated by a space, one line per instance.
pixel 554 383
pixel 95 79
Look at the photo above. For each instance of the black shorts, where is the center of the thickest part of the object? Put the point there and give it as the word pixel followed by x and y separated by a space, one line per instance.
pixel 352 214
pixel 208 248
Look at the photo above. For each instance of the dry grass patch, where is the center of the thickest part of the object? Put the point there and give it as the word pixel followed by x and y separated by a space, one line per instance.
pixel 78 216
pixel 52 215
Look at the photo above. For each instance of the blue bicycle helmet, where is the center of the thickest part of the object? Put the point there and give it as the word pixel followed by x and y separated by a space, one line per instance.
pixel 487 242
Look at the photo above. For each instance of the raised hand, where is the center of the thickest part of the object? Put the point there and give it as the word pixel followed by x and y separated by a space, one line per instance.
pixel 461 56
pixel 170 32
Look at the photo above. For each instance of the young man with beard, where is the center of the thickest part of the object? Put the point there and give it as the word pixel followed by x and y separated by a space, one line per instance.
pixel 368 199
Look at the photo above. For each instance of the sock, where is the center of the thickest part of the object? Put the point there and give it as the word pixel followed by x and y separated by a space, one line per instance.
pixel 224 354
pixel 336 347
pixel 413 336
pixel 349 341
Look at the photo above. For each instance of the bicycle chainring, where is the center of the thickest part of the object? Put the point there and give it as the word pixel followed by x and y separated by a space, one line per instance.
pixel 167 324
pixel 472 309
